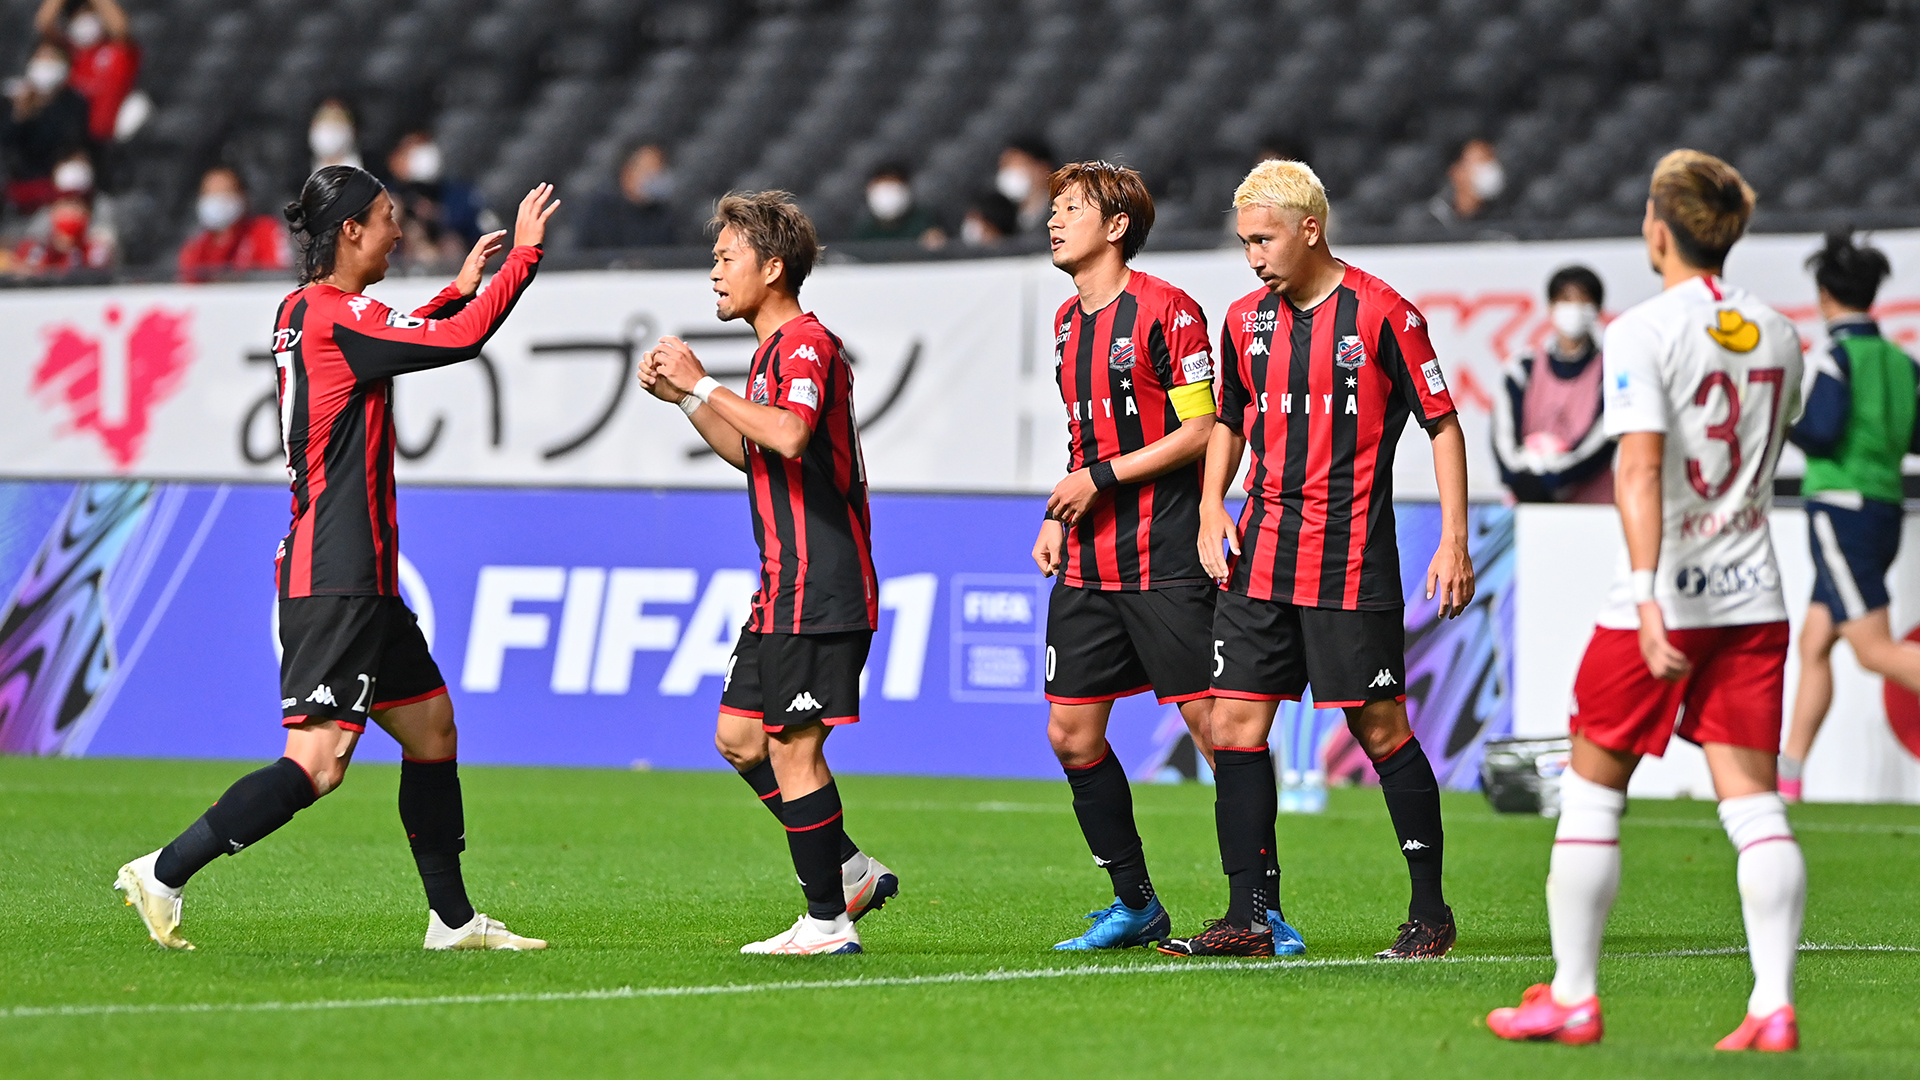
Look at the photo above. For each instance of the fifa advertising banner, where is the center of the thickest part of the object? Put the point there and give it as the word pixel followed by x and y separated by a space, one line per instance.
pixel 954 364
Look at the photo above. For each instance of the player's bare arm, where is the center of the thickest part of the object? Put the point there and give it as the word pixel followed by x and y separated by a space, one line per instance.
pixel 768 426
pixel 1450 575
pixel 720 435
pixel 1225 446
pixel 1637 493
pixel 1076 493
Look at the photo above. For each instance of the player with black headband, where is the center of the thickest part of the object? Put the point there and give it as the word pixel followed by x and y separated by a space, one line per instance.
pixel 351 648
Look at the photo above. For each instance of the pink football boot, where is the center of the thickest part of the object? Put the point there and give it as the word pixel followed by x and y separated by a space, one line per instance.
pixel 1538 1017
pixel 1775 1032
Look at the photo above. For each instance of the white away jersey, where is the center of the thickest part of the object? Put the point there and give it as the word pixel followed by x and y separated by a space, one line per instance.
pixel 1718 373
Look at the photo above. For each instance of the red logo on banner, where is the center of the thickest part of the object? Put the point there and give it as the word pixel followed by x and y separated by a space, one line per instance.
pixel 111 387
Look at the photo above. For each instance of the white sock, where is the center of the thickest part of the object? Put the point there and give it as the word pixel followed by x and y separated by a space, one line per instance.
pixel 1582 881
pixel 825 926
pixel 144 867
pixel 854 868
pixel 1773 894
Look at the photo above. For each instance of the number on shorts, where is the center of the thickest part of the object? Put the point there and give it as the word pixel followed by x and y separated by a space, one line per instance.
pixel 366 693
pixel 1049 663
pixel 1219 662
pixel 728 684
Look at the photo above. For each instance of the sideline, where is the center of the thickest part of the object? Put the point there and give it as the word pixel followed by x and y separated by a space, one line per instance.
pixel 624 993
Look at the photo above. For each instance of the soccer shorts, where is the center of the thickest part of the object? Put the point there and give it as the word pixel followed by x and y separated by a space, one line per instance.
pixel 1103 645
pixel 793 680
pixel 1852 551
pixel 1265 650
pixel 1733 695
pixel 342 657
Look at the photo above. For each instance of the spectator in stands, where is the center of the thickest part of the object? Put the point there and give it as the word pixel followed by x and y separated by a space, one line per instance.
pixel 438 217
pixel 891 213
pixel 1475 182
pixel 332 136
pixel 232 240
pixel 43 121
pixel 105 60
pixel 1547 433
pixel 1025 165
pixel 1283 146
pixel 68 245
pixel 639 211
pixel 73 177
pixel 991 218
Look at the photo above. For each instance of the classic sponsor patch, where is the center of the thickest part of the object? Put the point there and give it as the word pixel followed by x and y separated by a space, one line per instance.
pixel 403 322
pixel 1197 367
pixel 1436 383
pixel 803 392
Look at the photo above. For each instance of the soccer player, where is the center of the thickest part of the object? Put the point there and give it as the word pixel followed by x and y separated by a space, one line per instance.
pixel 795 673
pixel 1319 370
pixel 351 649
pixel 1858 424
pixel 1132 607
pixel 1701 383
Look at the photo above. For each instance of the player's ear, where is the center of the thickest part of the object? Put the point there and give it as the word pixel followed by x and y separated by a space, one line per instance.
pixel 1310 229
pixel 1117 226
pixel 771 269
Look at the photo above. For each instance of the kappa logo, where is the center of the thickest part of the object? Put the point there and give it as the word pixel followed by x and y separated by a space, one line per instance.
pixel 804 702
pixel 1183 319
pixel 1413 321
pixel 1413 845
pixel 1258 348
pixel 1385 678
pixel 1102 863
pixel 804 352
pixel 1120 357
pixel 109 378
pixel 322 695
pixel 359 304
pixel 1350 353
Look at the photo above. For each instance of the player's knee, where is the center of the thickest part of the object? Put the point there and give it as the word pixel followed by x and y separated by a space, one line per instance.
pixel 736 755
pixel 327 775
pixel 1074 746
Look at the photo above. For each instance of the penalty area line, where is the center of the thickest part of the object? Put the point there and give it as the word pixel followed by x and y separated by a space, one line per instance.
pixel 998 975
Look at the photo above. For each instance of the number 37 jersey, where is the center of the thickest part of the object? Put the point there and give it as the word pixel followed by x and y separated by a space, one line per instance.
pixel 1718 373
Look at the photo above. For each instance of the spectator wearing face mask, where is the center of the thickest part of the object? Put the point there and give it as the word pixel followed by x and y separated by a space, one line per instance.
pixel 332 137
pixel 73 177
pixel 639 211
pixel 68 246
pixel 1025 166
pixel 231 239
pixel 991 218
pixel 105 60
pixel 1547 433
pixel 438 218
pixel 42 122
pixel 1475 182
pixel 891 213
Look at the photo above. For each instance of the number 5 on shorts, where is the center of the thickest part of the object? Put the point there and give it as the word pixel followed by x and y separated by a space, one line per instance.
pixel 1219 662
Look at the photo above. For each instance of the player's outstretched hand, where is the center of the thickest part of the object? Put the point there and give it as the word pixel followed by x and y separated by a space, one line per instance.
pixel 1663 660
pixel 674 362
pixel 483 249
pixel 1073 496
pixel 655 385
pixel 1046 549
pixel 1217 528
pixel 1450 577
pixel 530 225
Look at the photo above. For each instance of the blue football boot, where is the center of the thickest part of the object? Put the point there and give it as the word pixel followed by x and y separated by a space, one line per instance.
pixel 1121 927
pixel 1286 940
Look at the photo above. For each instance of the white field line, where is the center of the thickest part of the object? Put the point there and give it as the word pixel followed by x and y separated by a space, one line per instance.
pixel 624 993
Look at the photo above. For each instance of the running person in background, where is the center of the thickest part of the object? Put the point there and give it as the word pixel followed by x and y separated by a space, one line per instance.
pixel 351 650
pixel 1702 382
pixel 795 673
pixel 1320 369
pixel 1858 425
pixel 1132 606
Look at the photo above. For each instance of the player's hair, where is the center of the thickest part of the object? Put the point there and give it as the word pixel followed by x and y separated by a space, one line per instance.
pixel 1115 189
pixel 1705 204
pixel 316 217
pixel 774 227
pixel 1284 185
pixel 1581 278
pixel 1851 273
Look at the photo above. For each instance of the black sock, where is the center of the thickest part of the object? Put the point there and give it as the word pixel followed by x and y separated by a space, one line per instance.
pixel 1413 801
pixel 256 804
pixel 1245 803
pixel 760 779
pixel 814 834
pixel 1104 804
pixel 1273 876
pixel 431 812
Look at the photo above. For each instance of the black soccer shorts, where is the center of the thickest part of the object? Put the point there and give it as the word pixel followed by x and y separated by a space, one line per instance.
pixel 1265 650
pixel 342 657
pixel 794 680
pixel 1103 645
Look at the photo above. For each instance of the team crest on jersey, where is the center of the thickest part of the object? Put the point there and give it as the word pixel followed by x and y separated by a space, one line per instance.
pixel 758 394
pixel 1120 357
pixel 1734 333
pixel 357 305
pixel 1350 353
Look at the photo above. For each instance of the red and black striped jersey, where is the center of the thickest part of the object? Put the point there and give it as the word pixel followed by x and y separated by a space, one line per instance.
pixel 1322 397
pixel 810 513
pixel 1117 368
pixel 337 354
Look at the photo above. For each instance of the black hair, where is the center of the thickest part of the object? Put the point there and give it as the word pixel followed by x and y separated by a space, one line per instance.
pixel 1580 277
pixel 317 216
pixel 895 170
pixel 998 211
pixel 1034 147
pixel 1851 273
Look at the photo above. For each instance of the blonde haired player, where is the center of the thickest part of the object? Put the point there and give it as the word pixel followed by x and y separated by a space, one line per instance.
pixel 1702 382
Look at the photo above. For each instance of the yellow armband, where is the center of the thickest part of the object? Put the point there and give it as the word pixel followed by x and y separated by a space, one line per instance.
pixel 1193 399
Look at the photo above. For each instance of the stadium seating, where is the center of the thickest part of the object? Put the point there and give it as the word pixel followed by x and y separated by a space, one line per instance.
pixel 1816 102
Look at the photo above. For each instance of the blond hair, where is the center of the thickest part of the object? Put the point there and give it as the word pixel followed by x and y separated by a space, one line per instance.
pixel 1704 203
pixel 1284 185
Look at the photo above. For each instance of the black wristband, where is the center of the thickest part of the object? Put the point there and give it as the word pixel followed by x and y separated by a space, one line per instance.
pixel 1101 473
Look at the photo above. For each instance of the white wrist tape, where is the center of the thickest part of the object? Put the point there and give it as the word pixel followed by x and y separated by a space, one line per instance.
pixel 689 404
pixel 704 387
pixel 1642 586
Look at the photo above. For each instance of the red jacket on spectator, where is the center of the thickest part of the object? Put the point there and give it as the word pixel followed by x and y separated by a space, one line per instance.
pixel 104 75
pixel 256 242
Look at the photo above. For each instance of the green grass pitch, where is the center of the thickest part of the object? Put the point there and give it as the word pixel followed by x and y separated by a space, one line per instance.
pixel 309 961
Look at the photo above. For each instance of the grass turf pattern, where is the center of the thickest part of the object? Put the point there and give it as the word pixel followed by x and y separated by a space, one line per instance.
pixel 309 962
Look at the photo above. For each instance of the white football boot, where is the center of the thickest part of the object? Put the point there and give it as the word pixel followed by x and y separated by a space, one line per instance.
pixel 480 932
pixel 868 887
pixel 809 937
pixel 158 904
